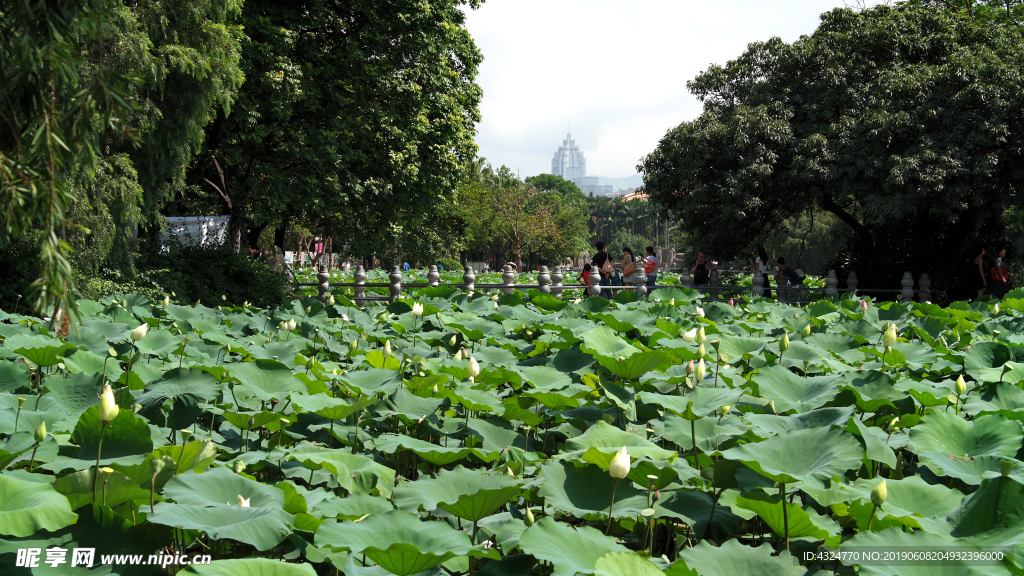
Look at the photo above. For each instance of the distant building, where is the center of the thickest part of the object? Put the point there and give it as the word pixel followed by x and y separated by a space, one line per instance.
pixel 568 161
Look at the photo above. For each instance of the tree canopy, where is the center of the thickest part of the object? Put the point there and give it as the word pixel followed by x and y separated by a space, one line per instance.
pixel 904 122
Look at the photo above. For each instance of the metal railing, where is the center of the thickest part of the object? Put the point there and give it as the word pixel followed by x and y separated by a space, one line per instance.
pixel 550 282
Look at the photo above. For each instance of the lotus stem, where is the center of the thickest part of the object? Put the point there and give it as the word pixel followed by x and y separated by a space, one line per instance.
pixel 611 507
pixel 785 513
pixel 871 518
pixel 693 439
pixel 18 416
pixel 96 471
pixel 152 491
pixel 33 460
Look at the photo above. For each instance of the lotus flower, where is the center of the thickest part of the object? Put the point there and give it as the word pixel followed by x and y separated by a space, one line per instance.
pixel 701 337
pixel 894 425
pixel 807 330
pixel 690 335
pixel 330 299
pixel 344 318
pixel 239 466
pixel 528 518
pixel 619 467
pixel 889 338
pixel 689 367
pixel 140 332
pixel 700 312
pixel 243 502
pixel 41 432
pixel 167 301
pixel 473 369
pixel 671 301
pixel 961 386
pixel 863 305
pixel 417 309
pixel 784 343
pixel 701 351
pixel 108 407
pixel 452 341
pixel 700 371
pixel 387 348
pixel 724 410
pixel 879 494
pixel 995 309
pixel 731 303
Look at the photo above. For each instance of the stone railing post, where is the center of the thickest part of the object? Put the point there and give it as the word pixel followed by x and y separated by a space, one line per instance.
pixel 396 283
pixel 851 283
pixel 323 287
pixel 544 280
pixel 433 276
pixel 641 284
pixel 595 282
pixel 468 278
pixel 360 280
pixel 758 284
pixel 908 287
pixel 508 278
pixel 831 284
pixel 684 278
pixel 556 281
pixel 925 284
pixel 713 283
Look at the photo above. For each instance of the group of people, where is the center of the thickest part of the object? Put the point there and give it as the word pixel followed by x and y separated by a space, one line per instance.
pixel 996 280
pixel 626 273
pixel 785 276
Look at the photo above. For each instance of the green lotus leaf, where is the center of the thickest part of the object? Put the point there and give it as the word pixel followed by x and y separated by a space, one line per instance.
pixel 993 515
pixel 733 348
pixel 373 381
pixel 398 541
pixel 186 388
pixel 353 507
pixel 792 392
pixel 569 550
pixel 970 470
pixel 625 564
pixel 158 343
pixel 328 407
pixel 13 376
pixel 112 491
pixel 261 527
pixel 469 494
pixel 801 524
pixel 38 349
pixel 732 558
pixel 607 439
pixel 698 510
pixel 705 401
pixel 996 397
pixel 28 507
pixel 789 456
pixel 266 379
pixel 990 435
pixel 473 399
pixel 587 490
pixel 872 390
pixel 433 453
pixel 126 436
pixel 820 418
pixel 355 473
pixel 249 567
pixel 636 365
pixel 602 342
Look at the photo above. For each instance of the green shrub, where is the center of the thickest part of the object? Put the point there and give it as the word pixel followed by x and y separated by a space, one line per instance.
pixel 218 276
pixel 450 264
pixel 20 264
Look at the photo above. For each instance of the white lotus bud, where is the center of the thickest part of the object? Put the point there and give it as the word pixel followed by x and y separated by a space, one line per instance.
pixel 701 351
pixel 784 343
pixel 330 299
pixel 995 309
pixel 701 337
pixel 452 341
pixel 108 407
pixel 807 330
pixel 700 312
pixel 889 338
pixel 619 468
pixel 41 432
pixel 879 494
pixel 961 386
pixel 473 369
pixel 291 324
pixel 700 371
pixel 140 332
pixel 458 354
pixel 671 301
pixel 167 301
pixel 387 348
pixel 690 335
pixel 724 410
pixel 417 309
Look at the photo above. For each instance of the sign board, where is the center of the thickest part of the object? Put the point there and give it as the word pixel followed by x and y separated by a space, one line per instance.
pixel 288 257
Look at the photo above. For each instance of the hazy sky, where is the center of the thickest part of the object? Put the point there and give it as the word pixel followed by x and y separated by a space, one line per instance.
pixel 617 68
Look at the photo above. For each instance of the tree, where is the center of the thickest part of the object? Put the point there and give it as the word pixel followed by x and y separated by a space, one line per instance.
pixel 903 122
pixel 544 182
pixel 356 119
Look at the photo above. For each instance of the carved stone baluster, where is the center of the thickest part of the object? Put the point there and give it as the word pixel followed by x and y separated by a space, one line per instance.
pixel 924 294
pixel 433 276
pixel 556 281
pixel 831 284
pixel 908 288
pixel 544 280
pixel 396 284
pixel 360 289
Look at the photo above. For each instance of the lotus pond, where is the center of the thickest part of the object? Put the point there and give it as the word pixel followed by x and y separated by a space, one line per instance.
pixel 518 434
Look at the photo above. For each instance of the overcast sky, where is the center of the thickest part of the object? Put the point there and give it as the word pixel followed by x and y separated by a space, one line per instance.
pixel 617 68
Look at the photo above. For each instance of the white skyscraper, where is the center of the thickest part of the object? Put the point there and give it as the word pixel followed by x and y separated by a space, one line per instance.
pixel 569 162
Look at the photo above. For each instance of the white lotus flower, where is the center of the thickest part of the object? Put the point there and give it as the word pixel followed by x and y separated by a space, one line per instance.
pixel 961 386
pixel 879 494
pixel 474 368
pixel 167 301
pixel 387 348
pixel 889 338
pixel 140 332
pixel 690 335
pixel 344 318
pixel 291 324
pixel 452 341
pixel 108 407
pixel 701 337
pixel 995 310
pixel 784 343
pixel 243 502
pixel 330 299
pixel 619 468
pixel 417 309
pixel 700 312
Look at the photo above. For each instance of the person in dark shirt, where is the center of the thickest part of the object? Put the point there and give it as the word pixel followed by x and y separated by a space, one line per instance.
pixel 700 271
pixel 789 278
pixel 598 260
